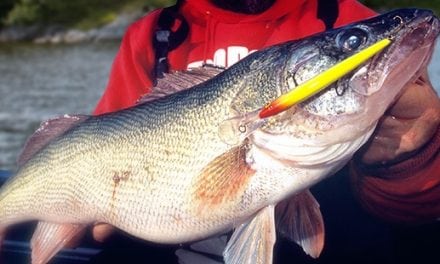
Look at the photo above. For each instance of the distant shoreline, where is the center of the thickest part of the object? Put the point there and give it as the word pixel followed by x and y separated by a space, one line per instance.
pixel 90 26
pixel 56 34
pixel 53 21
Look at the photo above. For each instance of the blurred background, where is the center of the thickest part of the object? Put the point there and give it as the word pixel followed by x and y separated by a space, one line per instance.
pixel 55 58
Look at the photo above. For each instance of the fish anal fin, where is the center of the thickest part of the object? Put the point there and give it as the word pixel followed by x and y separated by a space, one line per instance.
pixel 49 238
pixel 48 131
pixel 179 81
pixel 252 242
pixel 224 179
pixel 300 220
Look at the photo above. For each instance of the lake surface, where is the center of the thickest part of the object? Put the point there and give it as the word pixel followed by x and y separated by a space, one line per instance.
pixel 38 82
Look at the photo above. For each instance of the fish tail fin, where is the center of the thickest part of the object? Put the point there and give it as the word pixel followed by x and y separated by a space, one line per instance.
pixel 49 238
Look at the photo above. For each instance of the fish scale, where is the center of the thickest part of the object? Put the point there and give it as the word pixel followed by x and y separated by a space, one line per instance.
pixel 162 171
pixel 167 123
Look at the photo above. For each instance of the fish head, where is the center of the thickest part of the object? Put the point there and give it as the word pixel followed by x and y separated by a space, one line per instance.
pixel 413 33
pixel 347 112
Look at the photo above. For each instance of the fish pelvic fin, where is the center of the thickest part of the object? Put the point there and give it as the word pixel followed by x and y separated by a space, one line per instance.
pixel 299 219
pixel 49 238
pixel 253 241
pixel 223 180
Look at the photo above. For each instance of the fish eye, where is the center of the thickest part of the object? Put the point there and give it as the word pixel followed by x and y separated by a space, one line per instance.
pixel 352 39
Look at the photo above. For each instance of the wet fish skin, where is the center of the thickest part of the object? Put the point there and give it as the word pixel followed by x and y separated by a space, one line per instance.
pixel 160 171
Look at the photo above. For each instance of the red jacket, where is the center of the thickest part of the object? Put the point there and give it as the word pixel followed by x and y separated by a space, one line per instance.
pixel 223 37
pixel 215 35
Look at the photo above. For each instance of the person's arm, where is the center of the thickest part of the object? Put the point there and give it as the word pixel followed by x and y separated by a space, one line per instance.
pixel 131 73
pixel 397 175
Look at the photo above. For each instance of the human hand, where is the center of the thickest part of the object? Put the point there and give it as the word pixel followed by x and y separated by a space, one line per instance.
pixel 407 125
pixel 102 231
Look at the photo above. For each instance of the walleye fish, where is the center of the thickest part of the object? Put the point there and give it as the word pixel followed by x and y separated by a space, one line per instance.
pixel 162 171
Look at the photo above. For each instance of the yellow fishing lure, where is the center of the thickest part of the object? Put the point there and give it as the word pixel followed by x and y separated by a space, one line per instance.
pixel 321 81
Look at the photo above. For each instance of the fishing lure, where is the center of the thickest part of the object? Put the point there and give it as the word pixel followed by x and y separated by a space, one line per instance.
pixel 321 81
pixel 235 129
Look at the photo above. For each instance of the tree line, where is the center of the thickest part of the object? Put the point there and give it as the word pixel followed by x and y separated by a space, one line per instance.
pixel 75 13
pixel 90 13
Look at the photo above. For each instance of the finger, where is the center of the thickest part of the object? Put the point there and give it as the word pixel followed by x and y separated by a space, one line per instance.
pixel 102 231
pixel 408 125
pixel 415 99
pixel 384 144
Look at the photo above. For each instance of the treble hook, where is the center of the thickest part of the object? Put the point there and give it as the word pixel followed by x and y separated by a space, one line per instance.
pixel 401 25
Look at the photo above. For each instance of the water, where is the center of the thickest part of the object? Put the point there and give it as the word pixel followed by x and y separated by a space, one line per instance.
pixel 38 82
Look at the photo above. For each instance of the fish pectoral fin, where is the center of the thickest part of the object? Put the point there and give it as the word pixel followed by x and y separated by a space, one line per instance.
pixel 300 220
pixel 48 131
pixel 252 242
pixel 223 180
pixel 49 238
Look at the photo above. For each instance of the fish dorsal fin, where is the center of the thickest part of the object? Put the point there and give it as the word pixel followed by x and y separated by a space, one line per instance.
pixel 223 180
pixel 180 80
pixel 47 131
pixel 253 241
pixel 300 220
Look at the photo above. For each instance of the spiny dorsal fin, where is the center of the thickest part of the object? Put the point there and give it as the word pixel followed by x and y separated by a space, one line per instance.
pixel 178 81
pixel 47 131
pixel 300 220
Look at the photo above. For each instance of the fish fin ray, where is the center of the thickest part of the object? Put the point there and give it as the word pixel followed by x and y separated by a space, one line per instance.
pixel 299 219
pixel 48 131
pixel 223 179
pixel 253 241
pixel 179 81
pixel 49 238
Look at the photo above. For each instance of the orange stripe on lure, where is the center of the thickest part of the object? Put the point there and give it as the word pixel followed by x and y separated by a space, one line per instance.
pixel 321 81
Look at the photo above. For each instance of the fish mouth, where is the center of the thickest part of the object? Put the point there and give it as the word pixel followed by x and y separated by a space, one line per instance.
pixel 411 49
pixel 372 88
pixel 380 81
pixel 419 32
